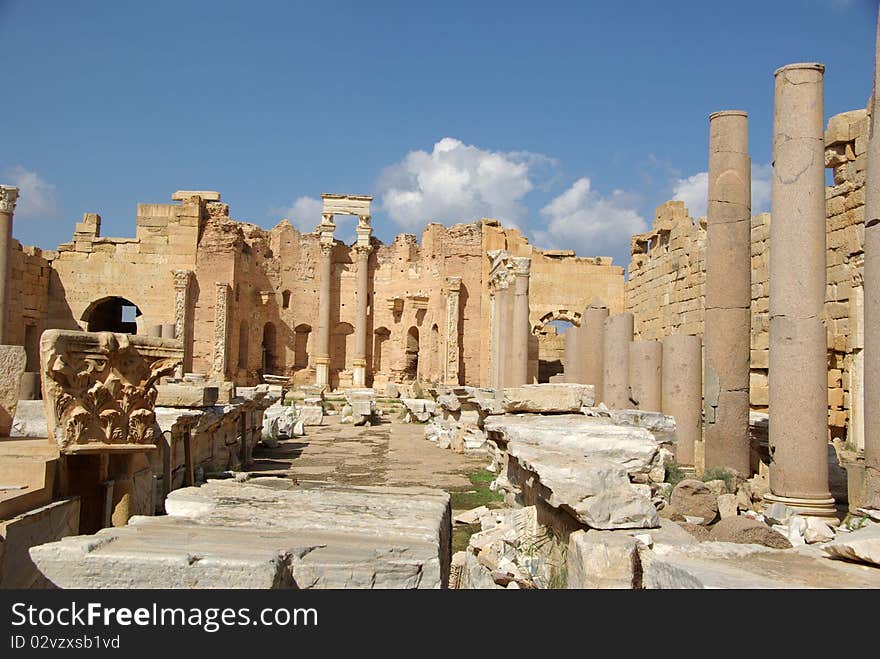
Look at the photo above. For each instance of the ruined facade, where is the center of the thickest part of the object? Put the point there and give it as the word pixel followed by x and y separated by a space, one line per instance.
pixel 667 275
pixel 245 301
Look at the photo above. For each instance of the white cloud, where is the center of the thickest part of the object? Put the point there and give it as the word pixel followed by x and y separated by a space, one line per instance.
pixel 458 182
pixel 36 197
pixel 693 190
pixel 304 213
pixel 589 223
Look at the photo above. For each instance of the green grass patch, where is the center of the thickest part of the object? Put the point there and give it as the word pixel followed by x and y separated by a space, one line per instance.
pixel 461 535
pixel 478 495
pixel 674 473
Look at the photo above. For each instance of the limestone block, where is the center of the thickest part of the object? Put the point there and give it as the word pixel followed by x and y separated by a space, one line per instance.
pixel 727 506
pixel 248 535
pixel 862 545
pixel 622 507
pixel 548 398
pixel 12 364
pixel 47 523
pixel 311 415
pixel 30 419
pixel 279 421
pixel 744 530
pixel 186 395
pixel 603 560
pixel 693 498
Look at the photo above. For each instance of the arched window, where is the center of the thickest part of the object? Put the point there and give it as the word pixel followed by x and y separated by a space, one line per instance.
pixel 411 370
pixel 301 345
pixel 269 362
pixel 111 314
pixel 285 299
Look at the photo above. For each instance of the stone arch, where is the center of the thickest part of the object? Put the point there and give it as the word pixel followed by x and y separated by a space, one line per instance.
pixel 411 354
pixel 269 349
pixel 380 357
pixel 243 344
pixel 547 349
pixel 111 313
pixel 301 346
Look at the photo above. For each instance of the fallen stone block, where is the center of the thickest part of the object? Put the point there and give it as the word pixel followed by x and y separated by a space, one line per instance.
pixel 548 398
pixel 862 545
pixel 743 530
pixel 603 560
pixel 186 395
pixel 30 419
pixel 693 498
pixel 311 415
pixel 12 364
pixel 618 508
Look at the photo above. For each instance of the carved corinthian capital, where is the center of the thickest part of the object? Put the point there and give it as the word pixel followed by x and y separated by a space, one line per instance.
pixel 8 197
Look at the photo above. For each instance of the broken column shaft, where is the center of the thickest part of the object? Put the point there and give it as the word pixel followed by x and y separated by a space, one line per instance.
pixel 615 377
pixel 798 357
pixel 645 383
pixel 728 293
pixel 682 396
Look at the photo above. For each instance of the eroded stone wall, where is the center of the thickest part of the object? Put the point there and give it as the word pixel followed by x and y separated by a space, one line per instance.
pixel 28 299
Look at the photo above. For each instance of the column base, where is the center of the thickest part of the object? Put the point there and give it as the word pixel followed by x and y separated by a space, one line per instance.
pixel 807 507
pixel 359 374
pixel 322 373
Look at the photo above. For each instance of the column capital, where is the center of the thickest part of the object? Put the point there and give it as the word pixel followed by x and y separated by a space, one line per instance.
pixel 364 222
pixel 8 197
pixel 326 248
pixel 453 284
pixel 181 278
pixel 521 265
pixel 363 250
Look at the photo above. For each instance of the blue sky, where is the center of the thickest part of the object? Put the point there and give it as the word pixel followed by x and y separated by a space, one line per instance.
pixel 571 120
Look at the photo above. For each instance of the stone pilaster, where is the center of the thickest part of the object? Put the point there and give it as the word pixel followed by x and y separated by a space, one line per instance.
pixel 798 345
pixel 221 330
pixel 521 327
pixel 453 316
pixel 8 198
pixel 182 279
pixel 728 293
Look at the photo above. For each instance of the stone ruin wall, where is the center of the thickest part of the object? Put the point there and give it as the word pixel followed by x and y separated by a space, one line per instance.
pixel 30 269
pixel 666 286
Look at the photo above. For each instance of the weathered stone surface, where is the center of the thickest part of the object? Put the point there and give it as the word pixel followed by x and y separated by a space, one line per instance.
pixel 862 545
pixel 17 535
pixel 186 395
pixel 232 535
pixel 728 565
pixel 311 415
pixel 743 530
pixel 603 560
pixel 618 508
pixel 12 364
pixel 632 447
pixel 818 530
pixel 727 506
pixel 548 398
pixel 693 498
pixel 30 419
pixel 279 421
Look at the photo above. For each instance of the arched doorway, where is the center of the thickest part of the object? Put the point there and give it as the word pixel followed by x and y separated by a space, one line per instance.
pixel 301 335
pixel 550 333
pixel 111 314
pixel 433 374
pixel 411 354
pixel 269 363
pixel 340 357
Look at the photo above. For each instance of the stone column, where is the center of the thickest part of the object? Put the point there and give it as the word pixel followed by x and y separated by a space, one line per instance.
pixel 615 376
pixel 8 197
pixel 798 353
pixel 682 392
pixel 359 360
pixel 221 330
pixel 568 356
pixel 182 280
pixel 322 335
pixel 592 347
pixel 871 352
pixel 453 314
pixel 645 382
pixel 521 328
pixel 728 293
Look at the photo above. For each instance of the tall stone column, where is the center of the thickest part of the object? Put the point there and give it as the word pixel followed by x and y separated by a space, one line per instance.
pixel 453 315
pixel 322 335
pixel 798 345
pixel 592 347
pixel 8 197
pixel 728 293
pixel 221 330
pixel 182 280
pixel 645 381
pixel 615 376
pixel 359 360
pixel 521 328
pixel 871 352
pixel 682 395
